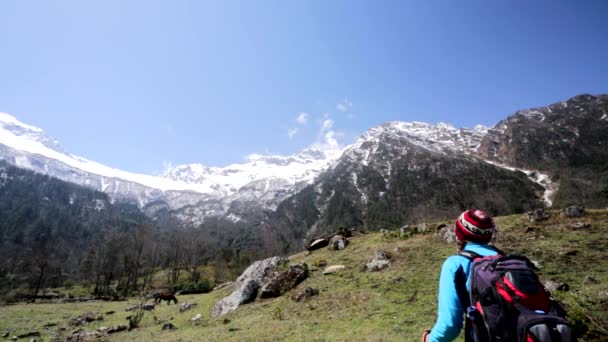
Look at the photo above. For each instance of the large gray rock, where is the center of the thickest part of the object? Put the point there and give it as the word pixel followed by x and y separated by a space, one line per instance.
pixel 338 242
pixel 247 285
pixel 244 294
pixel 379 262
pixel 285 281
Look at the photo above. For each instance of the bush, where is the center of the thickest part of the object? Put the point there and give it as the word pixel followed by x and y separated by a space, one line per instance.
pixel 200 286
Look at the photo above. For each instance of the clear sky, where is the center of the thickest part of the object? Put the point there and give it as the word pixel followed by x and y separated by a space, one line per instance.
pixel 139 84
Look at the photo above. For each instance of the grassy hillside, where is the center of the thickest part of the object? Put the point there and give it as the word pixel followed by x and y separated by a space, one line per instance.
pixel 395 304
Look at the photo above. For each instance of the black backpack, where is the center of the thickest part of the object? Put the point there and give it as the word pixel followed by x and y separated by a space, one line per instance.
pixel 507 302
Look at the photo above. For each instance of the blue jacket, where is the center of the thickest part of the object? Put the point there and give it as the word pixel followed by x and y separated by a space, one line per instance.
pixel 450 311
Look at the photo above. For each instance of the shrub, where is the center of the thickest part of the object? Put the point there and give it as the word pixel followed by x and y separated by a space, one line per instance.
pixel 202 285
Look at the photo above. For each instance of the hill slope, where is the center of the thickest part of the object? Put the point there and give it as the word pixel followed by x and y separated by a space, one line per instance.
pixel 391 305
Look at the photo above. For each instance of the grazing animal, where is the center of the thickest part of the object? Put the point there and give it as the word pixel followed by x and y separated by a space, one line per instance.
pixel 168 296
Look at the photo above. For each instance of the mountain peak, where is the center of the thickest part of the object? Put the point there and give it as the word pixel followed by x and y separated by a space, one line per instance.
pixel 8 120
pixel 440 137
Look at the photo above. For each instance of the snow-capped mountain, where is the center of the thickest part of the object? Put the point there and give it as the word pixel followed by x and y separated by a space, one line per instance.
pixel 289 170
pixel 264 180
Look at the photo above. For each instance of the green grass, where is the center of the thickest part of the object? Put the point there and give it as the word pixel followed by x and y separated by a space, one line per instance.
pixel 395 304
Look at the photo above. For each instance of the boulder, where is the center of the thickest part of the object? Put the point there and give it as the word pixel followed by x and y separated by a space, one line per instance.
pixel 86 318
pixel 317 244
pixel 579 225
pixel 405 229
pixel 574 211
pixel 169 326
pixel 422 228
pixel 196 318
pixel 379 262
pixel 248 283
pixel 117 328
pixel 304 295
pixel 447 234
pixel 538 215
pixel 186 306
pixel 148 307
pixel 85 336
pixel 285 281
pixel 337 242
pixel 333 269
pixel 244 294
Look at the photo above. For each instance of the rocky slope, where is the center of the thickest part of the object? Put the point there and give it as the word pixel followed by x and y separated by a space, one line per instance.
pixel 401 173
pixel 567 140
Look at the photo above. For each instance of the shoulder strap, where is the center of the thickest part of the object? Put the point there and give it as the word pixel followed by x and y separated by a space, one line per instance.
pixel 469 255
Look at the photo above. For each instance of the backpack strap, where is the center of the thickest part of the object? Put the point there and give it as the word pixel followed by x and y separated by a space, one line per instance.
pixel 469 255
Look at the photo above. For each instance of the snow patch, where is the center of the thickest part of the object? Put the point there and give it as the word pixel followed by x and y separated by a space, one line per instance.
pixel 234 218
pixel 11 120
pixel 540 178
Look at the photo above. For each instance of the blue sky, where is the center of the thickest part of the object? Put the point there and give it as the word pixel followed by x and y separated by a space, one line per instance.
pixel 138 84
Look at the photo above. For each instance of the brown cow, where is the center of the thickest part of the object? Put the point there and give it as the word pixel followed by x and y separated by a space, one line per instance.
pixel 168 296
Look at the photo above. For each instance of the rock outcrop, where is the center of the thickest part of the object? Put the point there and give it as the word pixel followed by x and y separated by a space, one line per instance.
pixel 248 283
pixel 285 281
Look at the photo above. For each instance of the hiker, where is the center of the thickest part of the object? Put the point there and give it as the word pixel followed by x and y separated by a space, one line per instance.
pixel 500 293
pixel 474 230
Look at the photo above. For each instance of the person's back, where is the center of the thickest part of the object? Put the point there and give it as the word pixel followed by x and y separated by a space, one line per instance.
pixel 474 231
pixel 503 296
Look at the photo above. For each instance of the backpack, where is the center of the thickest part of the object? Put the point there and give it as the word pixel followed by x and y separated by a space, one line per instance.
pixel 507 302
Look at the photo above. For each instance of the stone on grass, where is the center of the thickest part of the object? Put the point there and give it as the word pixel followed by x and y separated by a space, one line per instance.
pixel 574 211
pixel 422 228
pixel 169 326
pixel 338 242
pixel 333 269
pixel 304 295
pixel 317 244
pixel 117 328
pixel 447 234
pixel 538 215
pixel 86 318
pixel 186 306
pixel 379 262
pixel 580 225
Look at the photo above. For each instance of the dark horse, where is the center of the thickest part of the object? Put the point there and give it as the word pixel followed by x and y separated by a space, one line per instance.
pixel 168 296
